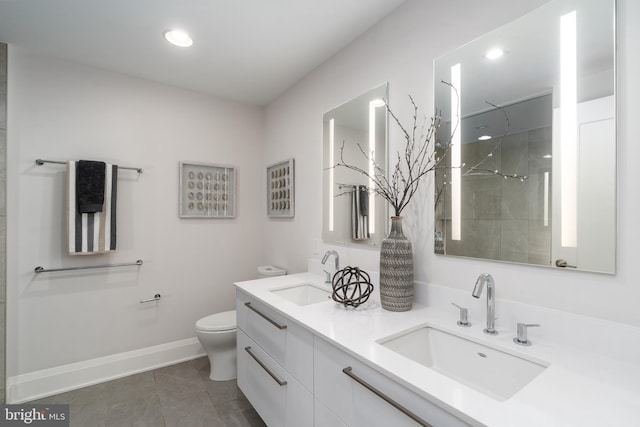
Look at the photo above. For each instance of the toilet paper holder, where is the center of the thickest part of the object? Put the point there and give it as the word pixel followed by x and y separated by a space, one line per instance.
pixel 156 297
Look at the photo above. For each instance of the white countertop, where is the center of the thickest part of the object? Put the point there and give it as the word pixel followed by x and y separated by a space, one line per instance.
pixel 580 387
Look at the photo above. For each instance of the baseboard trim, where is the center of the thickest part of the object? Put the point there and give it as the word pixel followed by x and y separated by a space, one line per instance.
pixel 47 382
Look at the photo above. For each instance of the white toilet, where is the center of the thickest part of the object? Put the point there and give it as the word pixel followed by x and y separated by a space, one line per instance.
pixel 217 335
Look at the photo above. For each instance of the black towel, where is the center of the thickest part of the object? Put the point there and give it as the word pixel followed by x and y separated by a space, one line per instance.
pixel 363 192
pixel 90 186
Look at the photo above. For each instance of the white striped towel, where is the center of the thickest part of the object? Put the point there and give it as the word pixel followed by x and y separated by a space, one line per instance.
pixel 92 233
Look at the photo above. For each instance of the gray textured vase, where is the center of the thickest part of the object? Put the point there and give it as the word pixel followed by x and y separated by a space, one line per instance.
pixel 396 269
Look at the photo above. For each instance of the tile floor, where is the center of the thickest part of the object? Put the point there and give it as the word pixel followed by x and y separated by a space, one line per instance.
pixel 178 395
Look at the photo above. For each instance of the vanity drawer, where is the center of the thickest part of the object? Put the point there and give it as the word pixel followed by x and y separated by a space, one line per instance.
pixel 275 394
pixel 284 340
pixel 361 396
pixel 264 325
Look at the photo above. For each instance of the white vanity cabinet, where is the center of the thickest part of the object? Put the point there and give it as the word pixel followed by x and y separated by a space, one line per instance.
pixel 294 378
pixel 356 395
pixel 275 364
pixel 338 374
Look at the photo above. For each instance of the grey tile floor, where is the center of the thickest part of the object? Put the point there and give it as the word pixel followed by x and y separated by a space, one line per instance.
pixel 178 395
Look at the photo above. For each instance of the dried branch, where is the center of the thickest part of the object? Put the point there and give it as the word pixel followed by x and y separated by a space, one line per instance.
pixel 476 170
pixel 401 183
pixel 419 158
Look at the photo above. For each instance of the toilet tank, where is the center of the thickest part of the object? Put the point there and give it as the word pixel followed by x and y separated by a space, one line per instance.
pixel 270 271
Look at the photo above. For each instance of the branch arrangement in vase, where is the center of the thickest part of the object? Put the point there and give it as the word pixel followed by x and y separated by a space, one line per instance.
pixel 419 158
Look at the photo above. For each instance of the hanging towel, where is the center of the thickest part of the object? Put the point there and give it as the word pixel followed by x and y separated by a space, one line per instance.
pixel 360 213
pixel 91 232
pixel 363 193
pixel 90 186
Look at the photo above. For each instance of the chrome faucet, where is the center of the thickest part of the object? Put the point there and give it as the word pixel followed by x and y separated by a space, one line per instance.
pixel 335 254
pixel 491 302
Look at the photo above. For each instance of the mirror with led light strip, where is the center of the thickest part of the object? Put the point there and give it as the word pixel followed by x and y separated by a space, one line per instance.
pixel 357 130
pixel 532 177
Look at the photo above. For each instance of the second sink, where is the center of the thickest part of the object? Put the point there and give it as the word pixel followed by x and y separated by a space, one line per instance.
pixel 493 372
pixel 303 294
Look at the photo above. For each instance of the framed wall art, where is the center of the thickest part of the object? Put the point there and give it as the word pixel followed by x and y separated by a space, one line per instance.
pixel 207 191
pixel 280 189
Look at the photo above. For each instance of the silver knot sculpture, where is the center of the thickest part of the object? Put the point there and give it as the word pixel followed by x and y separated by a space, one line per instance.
pixel 351 286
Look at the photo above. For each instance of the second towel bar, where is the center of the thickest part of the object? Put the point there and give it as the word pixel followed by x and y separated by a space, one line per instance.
pixel 40 269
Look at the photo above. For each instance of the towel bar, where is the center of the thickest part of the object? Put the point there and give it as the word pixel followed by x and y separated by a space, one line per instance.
pixel 41 162
pixel 349 186
pixel 40 269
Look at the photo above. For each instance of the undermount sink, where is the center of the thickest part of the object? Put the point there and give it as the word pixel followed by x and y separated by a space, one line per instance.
pixel 493 372
pixel 303 294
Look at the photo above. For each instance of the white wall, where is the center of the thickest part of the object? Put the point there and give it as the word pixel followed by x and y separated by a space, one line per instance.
pixel 59 111
pixel 401 49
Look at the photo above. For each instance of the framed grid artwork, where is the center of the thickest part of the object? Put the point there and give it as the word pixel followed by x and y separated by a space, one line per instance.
pixel 280 189
pixel 207 191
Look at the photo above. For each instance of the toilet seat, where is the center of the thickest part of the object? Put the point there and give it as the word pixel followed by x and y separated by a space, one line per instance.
pixel 225 321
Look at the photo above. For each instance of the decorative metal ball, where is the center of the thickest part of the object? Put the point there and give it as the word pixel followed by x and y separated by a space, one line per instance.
pixel 351 286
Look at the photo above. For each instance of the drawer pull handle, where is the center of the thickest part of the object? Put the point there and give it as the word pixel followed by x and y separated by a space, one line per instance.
pixel 348 370
pixel 273 322
pixel 267 370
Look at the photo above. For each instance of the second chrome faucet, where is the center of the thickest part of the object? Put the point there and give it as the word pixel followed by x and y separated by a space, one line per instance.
pixel 485 278
pixel 337 263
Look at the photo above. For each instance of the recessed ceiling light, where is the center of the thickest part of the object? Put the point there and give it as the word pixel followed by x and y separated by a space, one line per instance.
pixel 178 38
pixel 378 102
pixel 546 156
pixel 484 137
pixel 494 53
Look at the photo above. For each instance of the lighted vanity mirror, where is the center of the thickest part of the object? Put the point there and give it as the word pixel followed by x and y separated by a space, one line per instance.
pixel 357 131
pixel 534 155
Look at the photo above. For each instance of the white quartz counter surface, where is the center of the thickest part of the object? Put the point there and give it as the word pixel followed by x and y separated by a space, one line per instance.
pixel 578 388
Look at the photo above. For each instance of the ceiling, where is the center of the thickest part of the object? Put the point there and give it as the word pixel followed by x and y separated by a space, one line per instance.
pixel 244 50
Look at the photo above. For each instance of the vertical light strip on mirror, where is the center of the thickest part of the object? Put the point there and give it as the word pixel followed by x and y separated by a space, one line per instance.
pixel 568 131
pixel 455 152
pixel 331 169
pixel 545 200
pixel 372 165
